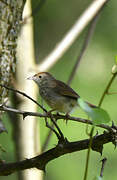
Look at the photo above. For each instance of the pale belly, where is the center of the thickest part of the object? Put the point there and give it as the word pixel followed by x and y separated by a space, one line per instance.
pixel 65 105
pixel 58 103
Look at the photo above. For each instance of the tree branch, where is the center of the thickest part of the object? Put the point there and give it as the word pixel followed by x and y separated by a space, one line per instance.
pixel 103 165
pixel 25 95
pixel 34 11
pixel 41 161
pixel 71 36
pixel 56 116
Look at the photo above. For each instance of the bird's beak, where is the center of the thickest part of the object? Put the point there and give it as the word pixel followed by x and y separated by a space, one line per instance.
pixel 31 78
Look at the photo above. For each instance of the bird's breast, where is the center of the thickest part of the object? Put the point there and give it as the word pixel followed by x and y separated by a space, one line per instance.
pixel 58 102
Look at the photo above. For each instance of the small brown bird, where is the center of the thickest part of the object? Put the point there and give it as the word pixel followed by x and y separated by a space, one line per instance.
pixel 58 95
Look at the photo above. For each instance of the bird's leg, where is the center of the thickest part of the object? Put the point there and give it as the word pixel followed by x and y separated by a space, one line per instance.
pixel 66 118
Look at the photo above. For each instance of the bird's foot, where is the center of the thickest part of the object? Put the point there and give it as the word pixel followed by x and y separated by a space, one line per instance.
pixel 49 113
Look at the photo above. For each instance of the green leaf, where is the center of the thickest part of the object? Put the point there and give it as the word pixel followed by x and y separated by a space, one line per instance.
pixel 97 115
pixel 84 105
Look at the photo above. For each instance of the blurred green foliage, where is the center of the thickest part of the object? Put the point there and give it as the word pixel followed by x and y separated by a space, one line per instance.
pixel 50 25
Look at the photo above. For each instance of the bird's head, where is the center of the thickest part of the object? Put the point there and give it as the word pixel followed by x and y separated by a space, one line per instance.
pixel 42 78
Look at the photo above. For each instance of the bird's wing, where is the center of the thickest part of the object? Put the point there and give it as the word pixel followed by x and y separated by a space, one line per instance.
pixel 65 90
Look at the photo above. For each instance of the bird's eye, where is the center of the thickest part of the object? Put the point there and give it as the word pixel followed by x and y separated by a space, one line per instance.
pixel 40 77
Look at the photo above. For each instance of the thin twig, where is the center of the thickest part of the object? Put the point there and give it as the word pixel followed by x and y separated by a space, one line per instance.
pixel 103 165
pixel 107 89
pixel 111 93
pixel 51 128
pixel 84 47
pixel 88 153
pixel 55 124
pixel 56 116
pixel 24 94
